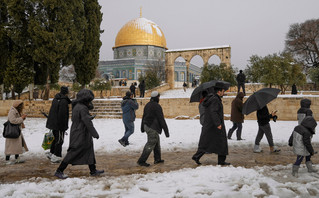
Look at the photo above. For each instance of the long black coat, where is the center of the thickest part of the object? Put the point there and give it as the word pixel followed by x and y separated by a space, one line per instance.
pixel 212 139
pixel 81 148
pixel 59 113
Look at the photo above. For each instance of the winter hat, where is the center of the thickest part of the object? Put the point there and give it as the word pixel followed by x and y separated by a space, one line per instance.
pixel 64 90
pixel 17 103
pixel 128 94
pixel 154 94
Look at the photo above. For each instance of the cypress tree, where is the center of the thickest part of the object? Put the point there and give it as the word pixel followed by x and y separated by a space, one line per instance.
pixel 4 40
pixel 50 30
pixel 86 61
pixel 19 70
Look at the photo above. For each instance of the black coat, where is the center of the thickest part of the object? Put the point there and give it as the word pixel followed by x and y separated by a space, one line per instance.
pixel 212 139
pixel 58 118
pixel 81 149
pixel 263 116
pixel 153 117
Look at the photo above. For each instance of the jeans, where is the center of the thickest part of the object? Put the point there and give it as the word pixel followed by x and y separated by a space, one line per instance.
pixel 56 146
pixel 238 133
pixel 241 85
pixel 265 129
pixel 152 144
pixel 300 158
pixel 129 130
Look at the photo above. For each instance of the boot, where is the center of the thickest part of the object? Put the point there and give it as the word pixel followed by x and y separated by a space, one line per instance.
pixel 295 169
pixel 310 168
pixel 55 159
pixel 274 149
pixel 257 149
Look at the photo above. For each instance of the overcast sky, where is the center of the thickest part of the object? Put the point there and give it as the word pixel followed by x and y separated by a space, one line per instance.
pixel 248 26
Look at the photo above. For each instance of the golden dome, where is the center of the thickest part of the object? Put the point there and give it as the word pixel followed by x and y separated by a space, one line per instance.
pixel 140 31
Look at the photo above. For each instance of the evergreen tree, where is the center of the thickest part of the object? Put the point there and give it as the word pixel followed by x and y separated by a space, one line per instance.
pixel 281 70
pixel 218 72
pixel 86 61
pixel 4 40
pixel 51 27
pixel 19 71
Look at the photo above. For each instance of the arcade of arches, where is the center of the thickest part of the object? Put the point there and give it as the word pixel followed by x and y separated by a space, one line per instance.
pixel 223 52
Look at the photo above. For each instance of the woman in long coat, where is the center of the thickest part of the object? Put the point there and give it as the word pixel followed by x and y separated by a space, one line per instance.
pixel 213 137
pixel 236 116
pixel 81 149
pixel 15 146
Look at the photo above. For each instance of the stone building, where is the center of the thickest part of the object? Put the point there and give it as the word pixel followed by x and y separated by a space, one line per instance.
pixel 141 44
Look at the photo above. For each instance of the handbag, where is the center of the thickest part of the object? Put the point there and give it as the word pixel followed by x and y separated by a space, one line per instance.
pixel 11 130
pixel 47 140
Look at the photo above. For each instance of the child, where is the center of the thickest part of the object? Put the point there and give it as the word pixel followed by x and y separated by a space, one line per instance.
pixel 304 110
pixel 300 139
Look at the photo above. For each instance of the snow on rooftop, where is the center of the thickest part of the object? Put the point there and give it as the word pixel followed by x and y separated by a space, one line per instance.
pixel 200 48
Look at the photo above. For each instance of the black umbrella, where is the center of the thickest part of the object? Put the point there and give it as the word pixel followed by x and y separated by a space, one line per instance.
pixel 197 93
pixel 259 99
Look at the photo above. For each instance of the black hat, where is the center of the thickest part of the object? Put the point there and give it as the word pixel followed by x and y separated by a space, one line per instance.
pixel 64 90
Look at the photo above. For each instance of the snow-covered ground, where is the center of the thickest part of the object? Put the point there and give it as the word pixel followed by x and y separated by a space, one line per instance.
pixel 203 181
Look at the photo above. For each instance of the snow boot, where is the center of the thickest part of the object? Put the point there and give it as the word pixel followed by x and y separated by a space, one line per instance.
pixel 274 149
pixel 60 175
pixel 55 159
pixel 257 149
pixel 19 160
pixel 49 155
pixel 97 173
pixel 295 169
pixel 310 168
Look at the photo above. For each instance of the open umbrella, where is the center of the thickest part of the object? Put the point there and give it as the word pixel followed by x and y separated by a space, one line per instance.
pixel 259 99
pixel 197 93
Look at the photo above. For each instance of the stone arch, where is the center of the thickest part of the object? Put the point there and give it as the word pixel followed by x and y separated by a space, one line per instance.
pixel 223 52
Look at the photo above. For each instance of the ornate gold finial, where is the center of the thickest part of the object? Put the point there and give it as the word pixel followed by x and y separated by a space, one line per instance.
pixel 140 11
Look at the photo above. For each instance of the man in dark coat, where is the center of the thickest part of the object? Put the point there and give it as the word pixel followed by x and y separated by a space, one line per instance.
pixel 141 86
pixel 81 148
pixel 132 89
pixel 129 106
pixel 241 78
pixel 236 116
pixel 263 119
pixel 213 138
pixel 58 122
pixel 153 123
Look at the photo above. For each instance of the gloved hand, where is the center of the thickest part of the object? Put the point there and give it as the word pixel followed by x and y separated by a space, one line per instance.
pixel 275 118
pixel 97 137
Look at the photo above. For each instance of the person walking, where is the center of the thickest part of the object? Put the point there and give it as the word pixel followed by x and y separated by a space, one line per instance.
pixel 129 106
pixel 241 78
pixel 263 119
pixel 141 86
pixel 16 146
pixel 184 86
pixel 58 122
pixel 236 116
pixel 304 110
pixel 213 137
pixel 153 123
pixel 132 89
pixel 300 140
pixel 81 147
pixel 294 89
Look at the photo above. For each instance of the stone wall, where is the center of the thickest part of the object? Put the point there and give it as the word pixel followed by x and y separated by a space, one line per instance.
pixel 172 107
pixel 286 107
